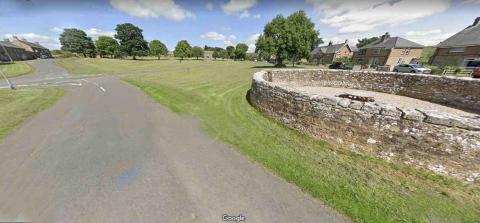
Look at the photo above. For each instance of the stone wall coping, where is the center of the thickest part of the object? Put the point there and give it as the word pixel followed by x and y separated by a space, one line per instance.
pixel 374 108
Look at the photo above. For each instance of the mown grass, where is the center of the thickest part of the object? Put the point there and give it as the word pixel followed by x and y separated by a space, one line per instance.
pixel 363 188
pixel 15 69
pixel 16 106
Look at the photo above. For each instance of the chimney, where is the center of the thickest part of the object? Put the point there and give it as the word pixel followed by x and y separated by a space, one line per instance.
pixel 330 43
pixel 385 37
pixel 346 41
pixel 477 21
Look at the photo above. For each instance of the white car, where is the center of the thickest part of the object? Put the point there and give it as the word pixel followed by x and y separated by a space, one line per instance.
pixel 412 68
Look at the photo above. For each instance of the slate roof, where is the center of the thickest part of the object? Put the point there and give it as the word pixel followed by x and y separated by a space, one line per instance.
pixel 34 45
pixel 467 37
pixel 329 48
pixel 393 42
pixel 9 45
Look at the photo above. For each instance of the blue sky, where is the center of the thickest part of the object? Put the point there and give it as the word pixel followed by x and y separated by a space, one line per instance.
pixel 225 22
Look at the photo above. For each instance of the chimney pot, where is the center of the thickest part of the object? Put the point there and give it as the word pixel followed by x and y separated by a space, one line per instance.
pixel 477 21
pixel 346 41
pixel 330 43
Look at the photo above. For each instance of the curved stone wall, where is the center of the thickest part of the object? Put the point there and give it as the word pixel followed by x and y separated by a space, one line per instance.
pixel 442 142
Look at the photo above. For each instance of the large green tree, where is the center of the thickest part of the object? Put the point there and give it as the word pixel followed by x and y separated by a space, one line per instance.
pixel 241 51
pixel 157 48
pixel 131 40
pixel 182 50
pixel 291 38
pixel 301 36
pixel 365 41
pixel 223 54
pixel 106 45
pixel 230 51
pixel 197 52
pixel 77 41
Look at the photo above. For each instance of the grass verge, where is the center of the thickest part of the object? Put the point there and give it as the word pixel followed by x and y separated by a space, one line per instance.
pixel 16 69
pixel 19 105
pixel 363 188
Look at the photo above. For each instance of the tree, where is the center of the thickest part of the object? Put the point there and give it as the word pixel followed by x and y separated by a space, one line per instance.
pixel 131 40
pixel 157 48
pixel 223 54
pixel 365 41
pixel 106 45
pixel 230 51
pixel 274 40
pixel 301 35
pixel 216 54
pixel 427 54
pixel 197 52
pixel 182 50
pixel 241 51
pixel 77 41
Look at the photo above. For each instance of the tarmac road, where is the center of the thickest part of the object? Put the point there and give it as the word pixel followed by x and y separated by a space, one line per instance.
pixel 106 152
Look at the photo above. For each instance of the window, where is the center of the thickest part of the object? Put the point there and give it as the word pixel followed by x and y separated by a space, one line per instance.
pixel 457 50
pixel 377 51
pixel 406 51
pixel 362 52
pixel 471 62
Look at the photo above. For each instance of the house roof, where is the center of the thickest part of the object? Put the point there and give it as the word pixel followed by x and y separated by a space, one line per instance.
pixel 467 37
pixel 34 45
pixel 9 45
pixel 387 42
pixel 333 48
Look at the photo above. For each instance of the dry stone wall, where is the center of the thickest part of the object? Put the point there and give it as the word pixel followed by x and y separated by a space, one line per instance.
pixel 444 143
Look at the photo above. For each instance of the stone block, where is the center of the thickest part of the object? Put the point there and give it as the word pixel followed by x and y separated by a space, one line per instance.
pixel 412 114
pixel 344 102
pixel 357 105
pixel 371 108
pixel 390 110
pixel 438 118
pixel 331 101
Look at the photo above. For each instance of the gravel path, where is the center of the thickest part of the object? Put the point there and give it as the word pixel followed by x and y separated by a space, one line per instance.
pixel 396 100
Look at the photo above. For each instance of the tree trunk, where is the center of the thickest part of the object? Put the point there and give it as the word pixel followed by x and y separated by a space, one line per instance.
pixel 159 57
pixel 134 58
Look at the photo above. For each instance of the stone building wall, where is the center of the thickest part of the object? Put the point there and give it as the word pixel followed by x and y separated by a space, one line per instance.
pixel 443 143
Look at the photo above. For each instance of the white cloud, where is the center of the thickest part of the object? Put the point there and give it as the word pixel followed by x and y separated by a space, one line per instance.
pixel 217 36
pixel 228 43
pixel 428 37
pixel 236 6
pixel 209 6
pixel 251 40
pixel 360 16
pixel 46 41
pixel 56 30
pixel 257 16
pixel 95 33
pixel 152 9
pixel 244 14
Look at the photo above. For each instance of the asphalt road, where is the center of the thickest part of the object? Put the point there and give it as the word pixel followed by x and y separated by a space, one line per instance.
pixel 106 152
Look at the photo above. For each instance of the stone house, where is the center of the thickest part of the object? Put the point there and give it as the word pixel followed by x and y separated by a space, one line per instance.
pixel 35 50
pixel 331 52
pixel 388 51
pixel 208 54
pixel 462 49
pixel 9 51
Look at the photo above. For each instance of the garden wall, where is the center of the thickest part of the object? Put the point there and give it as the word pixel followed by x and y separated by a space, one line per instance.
pixel 442 142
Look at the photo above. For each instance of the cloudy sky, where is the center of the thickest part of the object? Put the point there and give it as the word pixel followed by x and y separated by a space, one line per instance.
pixel 227 22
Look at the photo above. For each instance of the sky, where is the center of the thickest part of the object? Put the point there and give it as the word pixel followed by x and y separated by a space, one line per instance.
pixel 228 22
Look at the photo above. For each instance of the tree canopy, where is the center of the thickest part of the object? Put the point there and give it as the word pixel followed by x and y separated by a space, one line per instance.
pixel 291 38
pixel 131 40
pixel 182 50
pixel 223 54
pixel 197 52
pixel 157 48
pixel 106 45
pixel 77 41
pixel 241 51
pixel 230 51
pixel 365 41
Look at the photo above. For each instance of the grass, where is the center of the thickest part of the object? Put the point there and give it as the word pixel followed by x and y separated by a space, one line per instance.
pixel 16 106
pixel 16 69
pixel 363 188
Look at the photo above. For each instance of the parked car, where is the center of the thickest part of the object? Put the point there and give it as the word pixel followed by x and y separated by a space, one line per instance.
pixel 412 68
pixel 340 66
pixel 476 72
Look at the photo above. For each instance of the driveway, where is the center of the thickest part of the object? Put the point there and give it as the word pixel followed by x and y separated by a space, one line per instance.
pixel 106 152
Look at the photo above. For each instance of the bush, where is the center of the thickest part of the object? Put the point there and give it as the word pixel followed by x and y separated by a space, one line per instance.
pixel 455 68
pixel 63 54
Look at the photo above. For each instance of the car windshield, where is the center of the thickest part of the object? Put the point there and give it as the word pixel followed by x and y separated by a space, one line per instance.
pixel 416 65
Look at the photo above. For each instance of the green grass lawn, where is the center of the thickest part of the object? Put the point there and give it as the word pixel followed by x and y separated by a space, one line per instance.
pixel 16 69
pixel 363 188
pixel 16 106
